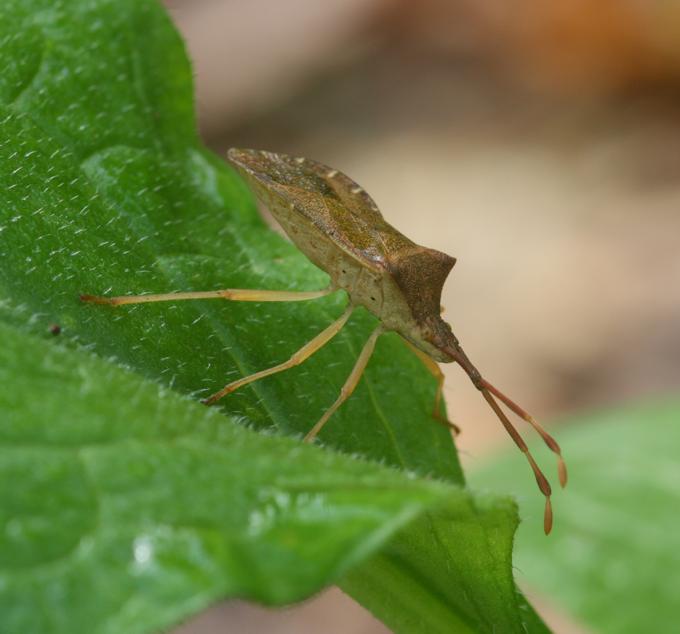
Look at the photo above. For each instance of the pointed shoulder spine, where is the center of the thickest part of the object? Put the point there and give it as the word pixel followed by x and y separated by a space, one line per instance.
pixel 420 275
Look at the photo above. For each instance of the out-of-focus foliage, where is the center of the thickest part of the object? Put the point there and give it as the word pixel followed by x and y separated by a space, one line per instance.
pixel 613 559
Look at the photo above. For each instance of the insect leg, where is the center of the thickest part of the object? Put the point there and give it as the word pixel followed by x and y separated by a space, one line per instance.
pixel 437 373
pixel 234 294
pixel 350 383
pixel 301 355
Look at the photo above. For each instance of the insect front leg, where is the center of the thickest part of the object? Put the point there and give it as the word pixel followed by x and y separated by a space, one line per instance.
pixel 437 373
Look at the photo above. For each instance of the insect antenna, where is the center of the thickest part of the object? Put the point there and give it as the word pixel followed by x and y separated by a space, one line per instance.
pixel 547 438
pixel 488 392
pixel 541 480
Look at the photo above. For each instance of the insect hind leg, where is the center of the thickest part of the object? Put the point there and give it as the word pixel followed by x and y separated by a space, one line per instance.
pixel 233 294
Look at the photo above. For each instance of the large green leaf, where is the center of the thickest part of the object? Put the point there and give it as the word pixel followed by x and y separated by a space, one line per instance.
pixel 126 505
pixel 613 559
pixel 104 188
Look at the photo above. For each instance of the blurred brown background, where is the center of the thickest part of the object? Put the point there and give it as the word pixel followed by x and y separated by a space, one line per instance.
pixel 536 141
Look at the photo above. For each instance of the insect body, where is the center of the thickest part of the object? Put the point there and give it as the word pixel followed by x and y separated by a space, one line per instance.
pixel 336 224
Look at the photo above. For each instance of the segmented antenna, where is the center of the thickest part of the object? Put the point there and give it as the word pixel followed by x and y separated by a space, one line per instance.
pixel 489 392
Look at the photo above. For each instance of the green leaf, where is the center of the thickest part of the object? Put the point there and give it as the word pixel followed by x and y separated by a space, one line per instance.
pixel 131 506
pixel 149 505
pixel 613 559
pixel 104 188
